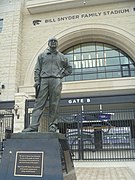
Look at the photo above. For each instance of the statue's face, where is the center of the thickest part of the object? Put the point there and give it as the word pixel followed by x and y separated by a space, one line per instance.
pixel 53 43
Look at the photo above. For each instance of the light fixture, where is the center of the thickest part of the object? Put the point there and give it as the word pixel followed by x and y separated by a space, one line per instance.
pixel 2 86
pixel 84 2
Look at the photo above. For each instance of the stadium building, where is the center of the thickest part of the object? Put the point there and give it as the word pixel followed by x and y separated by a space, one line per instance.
pixel 98 38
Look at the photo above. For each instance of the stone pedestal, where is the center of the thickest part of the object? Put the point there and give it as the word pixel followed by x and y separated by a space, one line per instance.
pixel 31 156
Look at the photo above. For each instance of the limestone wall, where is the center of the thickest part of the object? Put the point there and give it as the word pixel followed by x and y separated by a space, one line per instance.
pixel 10 47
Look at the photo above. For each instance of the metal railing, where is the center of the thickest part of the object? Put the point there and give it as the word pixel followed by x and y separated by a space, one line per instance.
pixel 92 135
pixel 108 135
pixel 6 127
pixel 96 135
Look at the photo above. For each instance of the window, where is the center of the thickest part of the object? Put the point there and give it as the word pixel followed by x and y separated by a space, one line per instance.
pixel 1 24
pixel 125 70
pixel 95 60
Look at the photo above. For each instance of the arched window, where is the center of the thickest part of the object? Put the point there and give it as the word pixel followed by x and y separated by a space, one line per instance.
pixel 96 60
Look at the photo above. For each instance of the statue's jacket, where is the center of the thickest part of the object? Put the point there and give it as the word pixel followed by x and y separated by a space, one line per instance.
pixel 51 64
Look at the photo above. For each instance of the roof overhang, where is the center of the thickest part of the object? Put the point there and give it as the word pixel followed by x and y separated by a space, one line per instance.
pixel 41 6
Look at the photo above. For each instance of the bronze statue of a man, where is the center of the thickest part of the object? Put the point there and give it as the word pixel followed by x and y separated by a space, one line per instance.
pixel 50 68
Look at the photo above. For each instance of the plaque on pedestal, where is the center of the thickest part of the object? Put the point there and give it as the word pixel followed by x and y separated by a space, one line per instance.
pixel 37 155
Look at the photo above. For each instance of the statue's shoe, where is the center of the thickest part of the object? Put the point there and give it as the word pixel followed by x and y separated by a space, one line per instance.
pixel 30 129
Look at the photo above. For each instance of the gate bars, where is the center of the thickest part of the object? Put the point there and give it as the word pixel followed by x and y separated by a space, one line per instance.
pixel 109 135
pixel 96 135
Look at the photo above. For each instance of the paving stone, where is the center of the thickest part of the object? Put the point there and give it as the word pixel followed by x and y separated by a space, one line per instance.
pixel 104 173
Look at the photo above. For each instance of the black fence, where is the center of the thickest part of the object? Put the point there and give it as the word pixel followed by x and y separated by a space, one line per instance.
pixel 6 128
pixel 92 135
pixel 101 135
pixel 96 135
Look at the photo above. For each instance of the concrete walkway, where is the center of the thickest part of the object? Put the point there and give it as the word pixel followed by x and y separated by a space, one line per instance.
pixel 105 170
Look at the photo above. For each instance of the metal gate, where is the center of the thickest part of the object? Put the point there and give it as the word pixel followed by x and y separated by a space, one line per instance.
pixel 6 122
pixel 101 135
pixel 95 133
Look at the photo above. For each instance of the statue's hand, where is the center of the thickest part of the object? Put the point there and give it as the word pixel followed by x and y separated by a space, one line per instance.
pixel 36 85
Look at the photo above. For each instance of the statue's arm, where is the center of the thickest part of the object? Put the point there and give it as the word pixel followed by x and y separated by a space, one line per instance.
pixel 37 71
pixel 67 68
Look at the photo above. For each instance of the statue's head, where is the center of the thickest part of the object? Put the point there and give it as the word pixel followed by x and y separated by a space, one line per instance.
pixel 53 43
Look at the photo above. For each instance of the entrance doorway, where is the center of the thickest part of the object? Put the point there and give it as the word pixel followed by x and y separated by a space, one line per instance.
pixel 97 131
pixel 100 134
